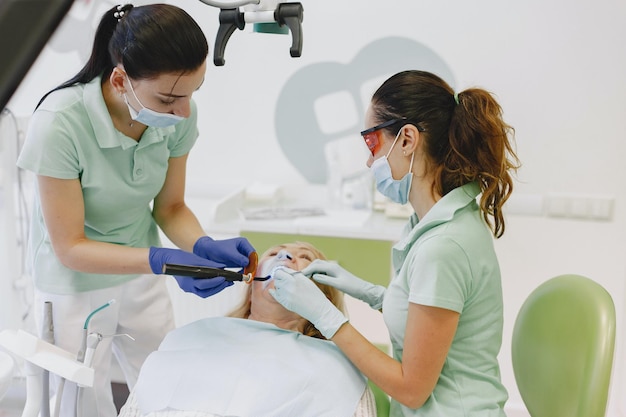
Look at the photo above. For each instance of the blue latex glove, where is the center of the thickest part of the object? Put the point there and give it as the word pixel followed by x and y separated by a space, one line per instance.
pixel 332 274
pixel 299 294
pixel 230 252
pixel 202 287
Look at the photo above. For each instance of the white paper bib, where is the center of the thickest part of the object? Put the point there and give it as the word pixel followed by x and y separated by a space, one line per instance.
pixel 245 368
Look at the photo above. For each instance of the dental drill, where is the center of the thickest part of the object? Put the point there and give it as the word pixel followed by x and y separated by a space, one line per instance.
pixel 92 341
pixel 80 357
pixel 85 355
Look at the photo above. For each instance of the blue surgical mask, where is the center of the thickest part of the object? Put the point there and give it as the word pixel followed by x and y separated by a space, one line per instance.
pixel 396 190
pixel 150 117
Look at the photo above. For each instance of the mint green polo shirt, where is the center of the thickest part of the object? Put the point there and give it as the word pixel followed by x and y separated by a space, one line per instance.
pixel 71 135
pixel 447 260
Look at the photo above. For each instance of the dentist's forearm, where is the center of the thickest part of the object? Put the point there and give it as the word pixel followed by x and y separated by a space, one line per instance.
pixel 104 258
pixel 181 226
pixel 380 368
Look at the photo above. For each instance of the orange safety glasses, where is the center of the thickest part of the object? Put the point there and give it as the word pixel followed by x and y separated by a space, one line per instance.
pixel 371 135
pixel 372 138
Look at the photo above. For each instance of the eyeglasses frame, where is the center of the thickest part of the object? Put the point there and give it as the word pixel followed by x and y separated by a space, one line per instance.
pixel 367 133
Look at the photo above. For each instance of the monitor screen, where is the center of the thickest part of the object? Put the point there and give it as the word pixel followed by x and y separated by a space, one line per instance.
pixel 25 27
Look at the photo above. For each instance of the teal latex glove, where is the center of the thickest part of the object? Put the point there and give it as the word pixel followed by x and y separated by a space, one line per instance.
pixel 299 294
pixel 330 273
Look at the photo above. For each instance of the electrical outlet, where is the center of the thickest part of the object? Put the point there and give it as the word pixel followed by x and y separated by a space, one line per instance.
pixel 601 208
pixel 583 207
pixel 557 206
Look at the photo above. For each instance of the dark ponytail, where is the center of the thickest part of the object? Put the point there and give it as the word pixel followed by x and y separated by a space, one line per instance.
pixel 147 40
pixel 465 136
pixel 99 62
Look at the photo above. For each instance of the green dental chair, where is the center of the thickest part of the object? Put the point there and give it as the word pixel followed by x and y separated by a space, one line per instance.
pixel 562 348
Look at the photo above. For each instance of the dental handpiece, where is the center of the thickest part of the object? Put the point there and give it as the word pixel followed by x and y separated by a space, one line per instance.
pixel 92 342
pixel 207 272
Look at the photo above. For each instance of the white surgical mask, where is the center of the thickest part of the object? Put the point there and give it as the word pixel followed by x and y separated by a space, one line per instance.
pixel 396 190
pixel 150 117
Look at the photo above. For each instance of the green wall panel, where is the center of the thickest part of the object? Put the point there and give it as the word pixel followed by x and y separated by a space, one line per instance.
pixel 365 258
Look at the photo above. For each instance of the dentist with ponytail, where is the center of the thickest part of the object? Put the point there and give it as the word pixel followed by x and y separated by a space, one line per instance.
pixel 109 149
pixel 450 156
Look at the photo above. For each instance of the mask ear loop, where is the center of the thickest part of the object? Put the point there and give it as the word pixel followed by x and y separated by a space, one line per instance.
pixel 394 143
pixel 412 153
pixel 132 90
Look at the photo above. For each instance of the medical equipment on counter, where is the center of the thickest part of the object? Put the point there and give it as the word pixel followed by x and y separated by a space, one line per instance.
pixel 266 16
pixel 206 272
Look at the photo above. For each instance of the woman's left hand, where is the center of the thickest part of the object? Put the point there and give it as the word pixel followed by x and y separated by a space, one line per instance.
pixel 233 252
pixel 299 294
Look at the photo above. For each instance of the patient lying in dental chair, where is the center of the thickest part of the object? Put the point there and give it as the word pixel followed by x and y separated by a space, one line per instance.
pixel 261 361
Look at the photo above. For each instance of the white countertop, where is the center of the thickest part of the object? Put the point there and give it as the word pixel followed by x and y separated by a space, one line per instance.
pixel 225 214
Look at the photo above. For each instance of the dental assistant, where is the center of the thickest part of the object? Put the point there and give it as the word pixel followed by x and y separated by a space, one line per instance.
pixel 109 149
pixel 450 156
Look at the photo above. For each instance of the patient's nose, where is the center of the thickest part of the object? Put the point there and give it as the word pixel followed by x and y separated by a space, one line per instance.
pixel 283 255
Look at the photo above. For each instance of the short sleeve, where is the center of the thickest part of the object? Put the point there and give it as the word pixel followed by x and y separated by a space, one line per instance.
pixel 440 274
pixel 50 148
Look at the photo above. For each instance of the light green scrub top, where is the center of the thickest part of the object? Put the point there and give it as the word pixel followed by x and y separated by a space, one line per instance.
pixel 447 260
pixel 71 135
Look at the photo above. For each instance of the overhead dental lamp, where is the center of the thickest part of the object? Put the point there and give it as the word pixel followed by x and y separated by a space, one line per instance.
pixel 268 16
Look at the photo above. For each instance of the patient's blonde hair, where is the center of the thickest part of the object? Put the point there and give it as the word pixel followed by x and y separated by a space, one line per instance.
pixel 333 294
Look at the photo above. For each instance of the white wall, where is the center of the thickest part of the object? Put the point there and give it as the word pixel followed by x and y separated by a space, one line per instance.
pixel 557 68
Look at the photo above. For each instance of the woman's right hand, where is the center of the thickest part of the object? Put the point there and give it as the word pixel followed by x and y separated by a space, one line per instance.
pixel 330 273
pixel 296 292
pixel 202 287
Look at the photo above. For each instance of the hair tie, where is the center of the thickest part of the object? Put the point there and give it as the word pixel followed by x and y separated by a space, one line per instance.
pixel 120 13
pixel 456 98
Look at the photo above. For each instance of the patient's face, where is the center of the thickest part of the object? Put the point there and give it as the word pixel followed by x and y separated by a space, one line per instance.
pixel 291 255
pixel 263 306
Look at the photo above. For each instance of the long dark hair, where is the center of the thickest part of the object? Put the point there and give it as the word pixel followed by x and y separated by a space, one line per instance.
pixel 147 40
pixel 466 138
